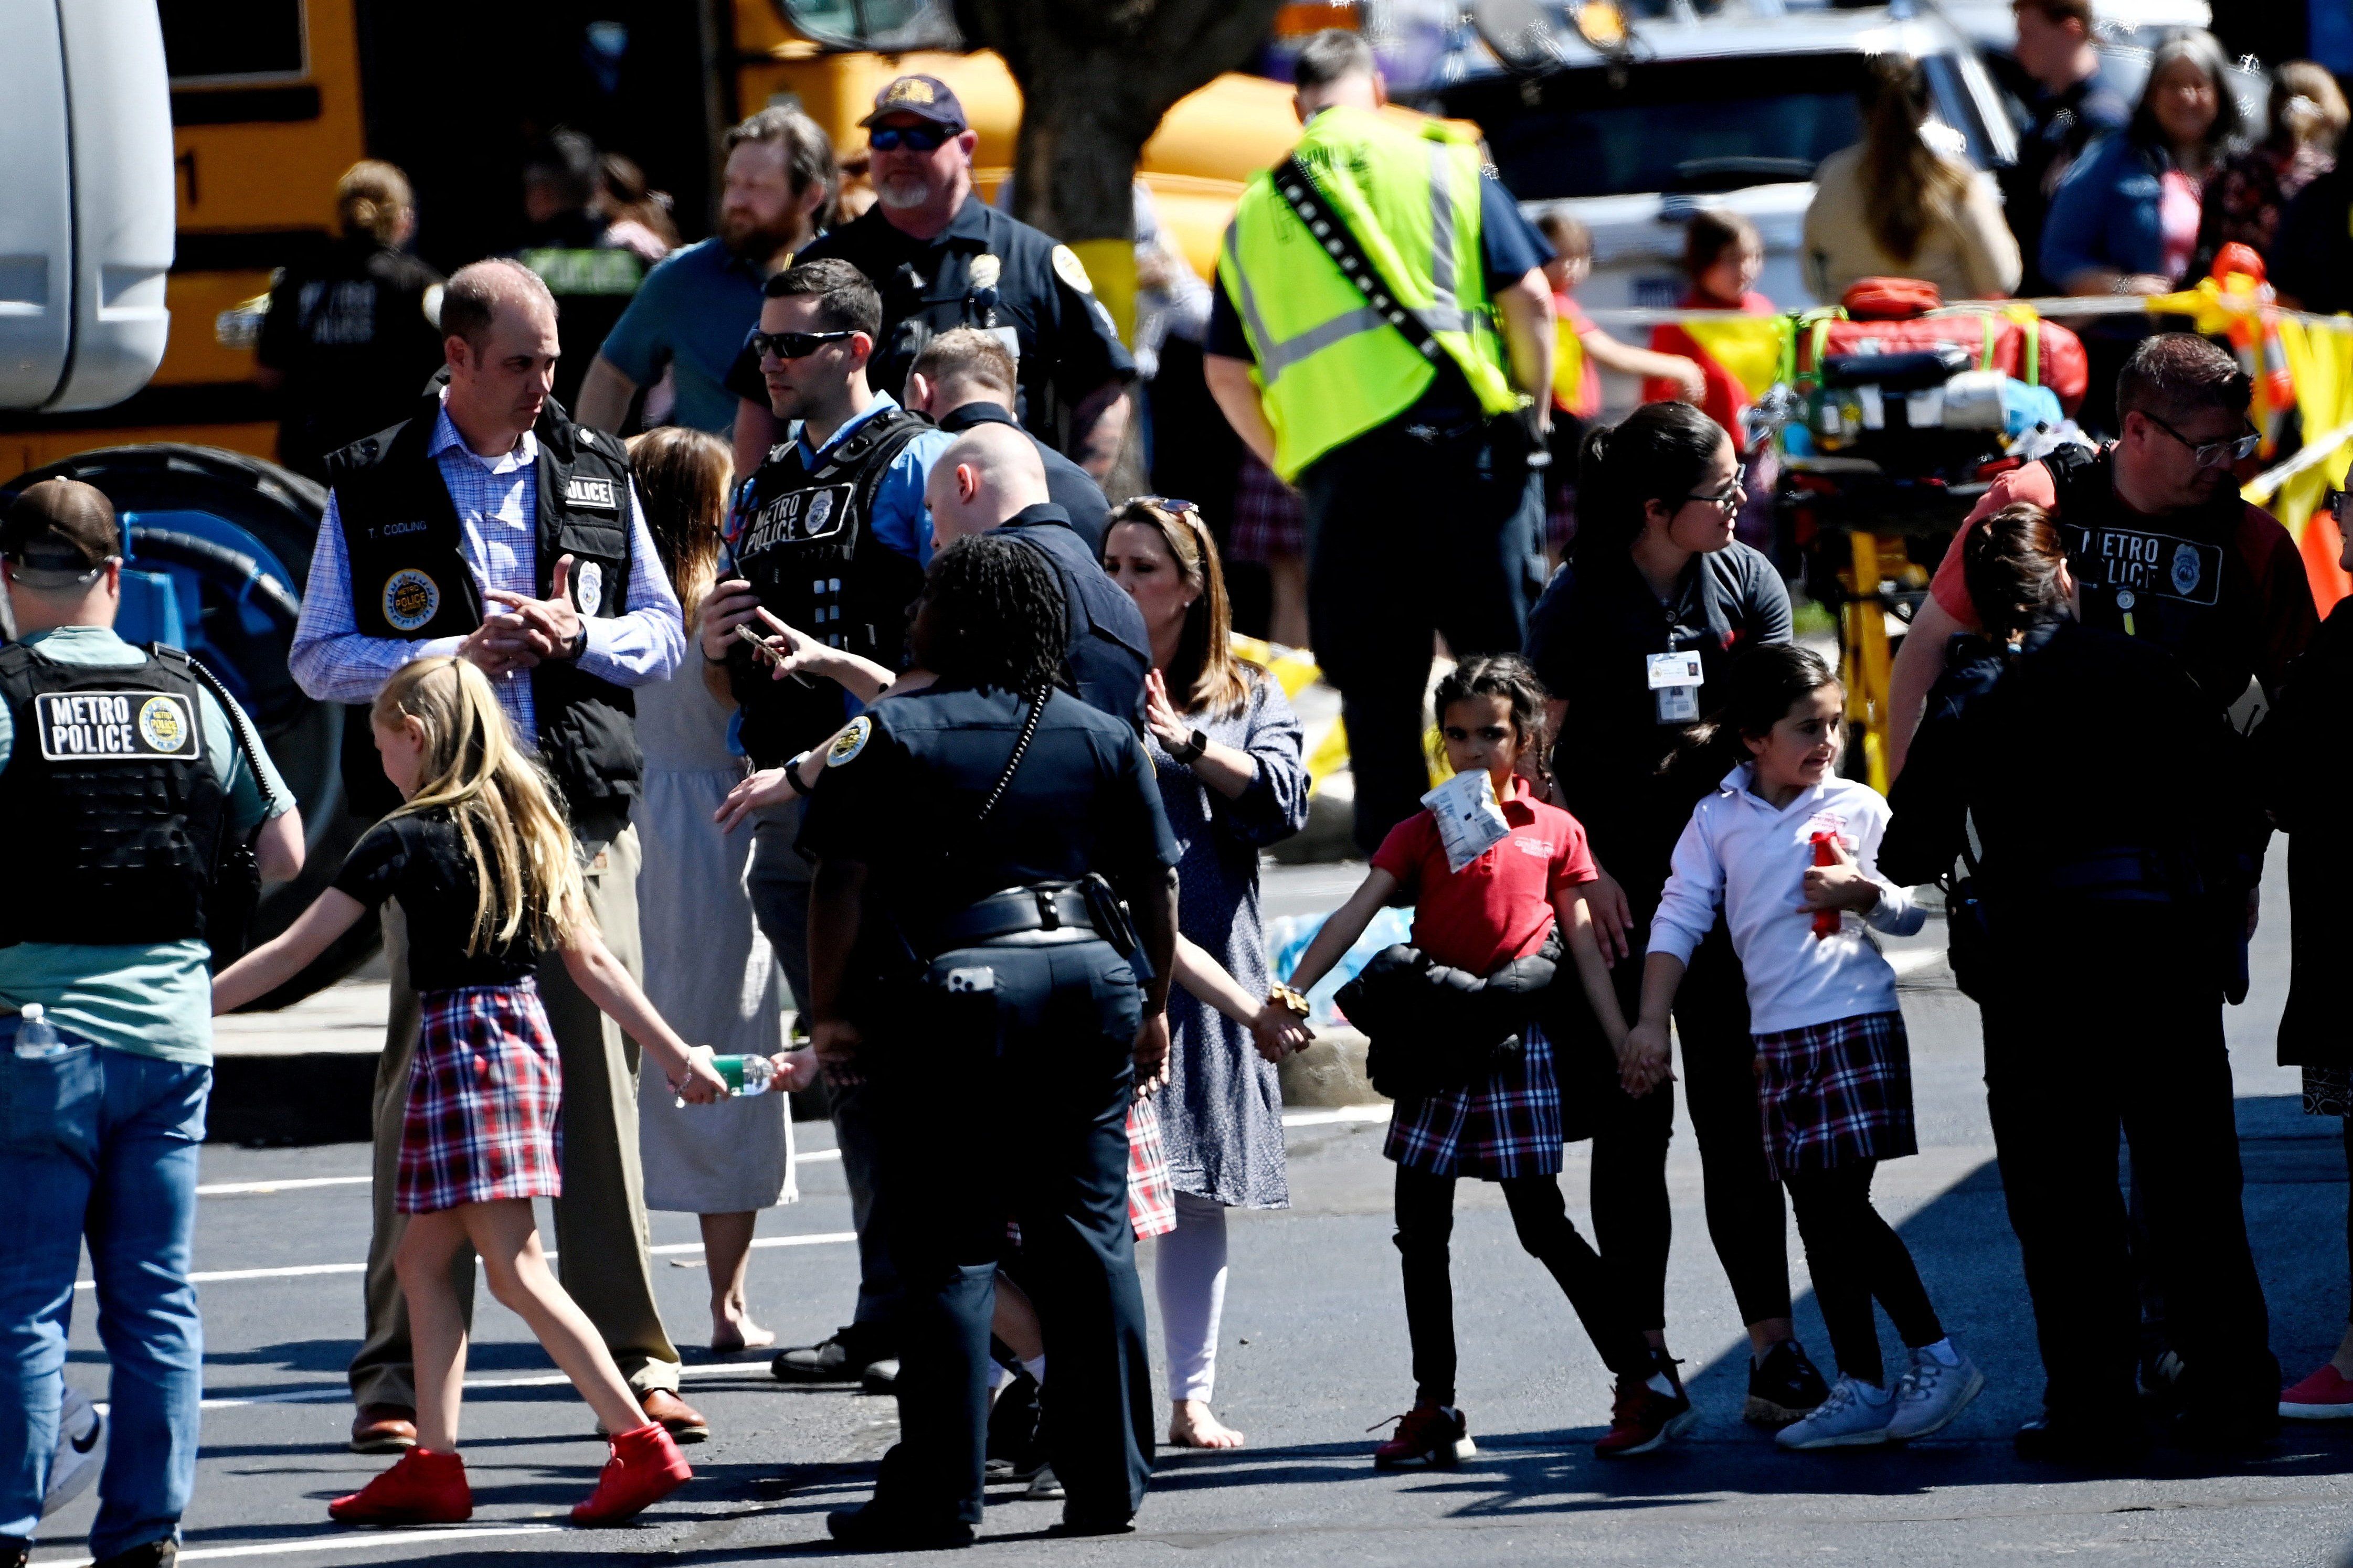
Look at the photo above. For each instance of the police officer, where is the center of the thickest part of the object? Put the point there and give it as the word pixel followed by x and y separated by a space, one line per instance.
pixel 829 536
pixel 966 377
pixel 942 258
pixel 2157 537
pixel 1353 346
pixel 991 478
pixel 2104 813
pixel 127 782
pixel 1002 1004
pixel 492 527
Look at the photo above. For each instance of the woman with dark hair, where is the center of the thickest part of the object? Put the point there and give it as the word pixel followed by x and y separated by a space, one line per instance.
pixel 2125 219
pixel 1632 636
pixel 1225 746
pixel 962 961
pixel 2101 810
pixel 1894 205
pixel 707 967
pixel 2245 198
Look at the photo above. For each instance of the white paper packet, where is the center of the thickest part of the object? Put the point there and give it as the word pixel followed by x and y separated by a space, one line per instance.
pixel 1470 819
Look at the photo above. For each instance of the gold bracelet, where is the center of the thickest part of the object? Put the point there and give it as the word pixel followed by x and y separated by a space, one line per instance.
pixel 1284 997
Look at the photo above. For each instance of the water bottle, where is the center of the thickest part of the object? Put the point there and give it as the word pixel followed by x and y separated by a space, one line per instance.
pixel 745 1076
pixel 37 1037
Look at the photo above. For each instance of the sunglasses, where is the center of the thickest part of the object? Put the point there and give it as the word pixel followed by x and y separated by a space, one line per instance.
pixel 794 345
pixel 2211 454
pixel 915 138
pixel 1728 497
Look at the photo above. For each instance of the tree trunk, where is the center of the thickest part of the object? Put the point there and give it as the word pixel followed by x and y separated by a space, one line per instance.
pixel 1095 77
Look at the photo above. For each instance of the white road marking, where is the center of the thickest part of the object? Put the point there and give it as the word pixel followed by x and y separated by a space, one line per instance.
pixel 339 1392
pixel 222 1276
pixel 298 1184
pixel 1325 1117
pixel 338 1542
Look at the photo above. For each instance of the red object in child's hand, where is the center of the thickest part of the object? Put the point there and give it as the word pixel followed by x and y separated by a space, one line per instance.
pixel 1825 921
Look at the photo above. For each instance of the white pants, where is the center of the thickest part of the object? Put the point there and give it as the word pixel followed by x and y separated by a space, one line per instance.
pixel 1191 1270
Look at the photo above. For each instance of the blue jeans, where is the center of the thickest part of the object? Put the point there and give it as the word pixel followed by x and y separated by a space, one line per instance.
pixel 103 1143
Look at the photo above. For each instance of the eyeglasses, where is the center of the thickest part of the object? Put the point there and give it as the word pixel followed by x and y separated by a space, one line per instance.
pixel 1728 497
pixel 2211 453
pixel 915 138
pixel 794 345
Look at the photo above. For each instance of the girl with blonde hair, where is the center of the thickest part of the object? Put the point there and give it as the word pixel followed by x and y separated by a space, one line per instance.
pixel 487 875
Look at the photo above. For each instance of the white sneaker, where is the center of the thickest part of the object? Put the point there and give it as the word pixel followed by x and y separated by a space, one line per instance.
pixel 81 1453
pixel 1044 1488
pixel 1849 1418
pixel 1932 1393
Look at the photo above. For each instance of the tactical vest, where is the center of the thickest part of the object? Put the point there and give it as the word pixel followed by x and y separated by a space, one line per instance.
pixel 1330 366
pixel 120 815
pixel 802 538
pixel 2181 581
pixel 410 580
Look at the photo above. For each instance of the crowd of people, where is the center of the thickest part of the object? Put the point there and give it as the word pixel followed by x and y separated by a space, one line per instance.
pixel 843 692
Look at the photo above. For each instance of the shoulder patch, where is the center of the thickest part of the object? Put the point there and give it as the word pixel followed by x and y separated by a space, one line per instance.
pixel 1071 271
pixel 850 741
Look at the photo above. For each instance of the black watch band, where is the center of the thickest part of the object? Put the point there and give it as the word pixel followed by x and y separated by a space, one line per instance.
pixel 793 775
pixel 1190 751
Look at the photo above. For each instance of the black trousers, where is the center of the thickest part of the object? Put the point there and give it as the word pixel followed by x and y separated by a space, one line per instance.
pixel 1854 1257
pixel 1632 1220
pixel 1425 1228
pixel 2125 1032
pixel 1408 534
pixel 1012 1105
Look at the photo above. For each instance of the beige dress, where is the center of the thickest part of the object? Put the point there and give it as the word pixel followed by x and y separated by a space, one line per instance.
pixel 1970 254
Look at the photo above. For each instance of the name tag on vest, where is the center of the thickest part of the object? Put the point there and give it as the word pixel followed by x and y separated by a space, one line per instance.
pixel 115 727
pixel 2141 561
pixel 593 495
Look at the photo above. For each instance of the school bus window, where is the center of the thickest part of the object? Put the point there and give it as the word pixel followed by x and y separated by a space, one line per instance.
pixel 875 23
pixel 207 41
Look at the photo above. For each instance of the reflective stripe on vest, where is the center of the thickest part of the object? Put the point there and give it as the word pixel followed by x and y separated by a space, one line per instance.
pixel 1330 366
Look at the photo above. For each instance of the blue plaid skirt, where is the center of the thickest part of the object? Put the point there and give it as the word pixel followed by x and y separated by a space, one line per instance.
pixel 1507 1124
pixel 1836 1093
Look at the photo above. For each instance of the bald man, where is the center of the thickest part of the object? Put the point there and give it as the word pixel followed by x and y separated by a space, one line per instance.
pixel 491 527
pixel 992 478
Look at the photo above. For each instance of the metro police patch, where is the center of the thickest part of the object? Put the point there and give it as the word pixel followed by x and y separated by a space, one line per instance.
pixel 115 727
pixel 411 599
pixel 595 495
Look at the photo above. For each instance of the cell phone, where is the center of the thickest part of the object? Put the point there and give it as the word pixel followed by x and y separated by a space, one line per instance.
pixel 763 648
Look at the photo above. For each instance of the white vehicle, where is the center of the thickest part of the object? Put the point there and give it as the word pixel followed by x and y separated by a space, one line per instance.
pixel 1734 109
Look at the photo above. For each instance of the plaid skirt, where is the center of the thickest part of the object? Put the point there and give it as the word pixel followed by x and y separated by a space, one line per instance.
pixel 1836 1093
pixel 483 1093
pixel 1151 1193
pixel 1506 1124
pixel 1270 522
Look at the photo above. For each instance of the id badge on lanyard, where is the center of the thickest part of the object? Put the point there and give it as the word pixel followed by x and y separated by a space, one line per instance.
pixel 1674 686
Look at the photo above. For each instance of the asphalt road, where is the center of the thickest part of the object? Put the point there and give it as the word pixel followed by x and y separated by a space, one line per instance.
pixel 1314 1352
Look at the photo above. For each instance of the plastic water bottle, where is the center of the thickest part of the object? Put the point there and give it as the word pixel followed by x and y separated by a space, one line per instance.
pixel 37 1037
pixel 745 1076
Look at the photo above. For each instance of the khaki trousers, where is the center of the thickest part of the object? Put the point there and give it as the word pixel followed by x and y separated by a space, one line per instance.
pixel 600 1220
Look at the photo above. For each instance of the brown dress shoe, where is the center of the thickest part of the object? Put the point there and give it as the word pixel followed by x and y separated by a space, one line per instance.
pixel 383 1430
pixel 682 1421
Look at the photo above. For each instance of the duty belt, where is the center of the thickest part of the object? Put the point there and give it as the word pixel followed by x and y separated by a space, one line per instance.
pixel 2122 875
pixel 1015 912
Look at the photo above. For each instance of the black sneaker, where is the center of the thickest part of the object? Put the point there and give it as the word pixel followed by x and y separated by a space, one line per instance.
pixel 160 1553
pixel 1783 1387
pixel 14 1551
pixel 1015 1454
pixel 843 1358
pixel 2083 1443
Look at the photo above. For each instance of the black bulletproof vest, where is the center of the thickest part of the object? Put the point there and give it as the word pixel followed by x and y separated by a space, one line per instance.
pixel 119 812
pixel 802 537
pixel 410 580
pixel 2179 581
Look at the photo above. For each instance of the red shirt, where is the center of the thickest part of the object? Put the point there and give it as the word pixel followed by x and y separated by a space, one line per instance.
pixel 2288 615
pixel 1726 399
pixel 1499 907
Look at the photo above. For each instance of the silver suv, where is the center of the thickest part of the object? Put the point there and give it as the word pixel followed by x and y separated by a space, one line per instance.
pixel 1733 109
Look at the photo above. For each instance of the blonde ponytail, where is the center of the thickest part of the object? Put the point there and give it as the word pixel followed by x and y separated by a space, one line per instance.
pixel 373 198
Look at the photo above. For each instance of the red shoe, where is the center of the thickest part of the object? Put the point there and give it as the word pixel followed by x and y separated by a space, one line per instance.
pixel 644 1467
pixel 1641 1420
pixel 1435 1434
pixel 424 1488
pixel 2326 1395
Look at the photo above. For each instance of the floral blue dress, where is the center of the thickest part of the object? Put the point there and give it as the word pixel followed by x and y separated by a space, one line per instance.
pixel 1221 1115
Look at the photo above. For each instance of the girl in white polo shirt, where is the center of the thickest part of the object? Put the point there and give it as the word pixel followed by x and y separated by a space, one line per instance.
pixel 1788 850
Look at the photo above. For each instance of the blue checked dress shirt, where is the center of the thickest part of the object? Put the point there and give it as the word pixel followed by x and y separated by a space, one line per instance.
pixel 498 503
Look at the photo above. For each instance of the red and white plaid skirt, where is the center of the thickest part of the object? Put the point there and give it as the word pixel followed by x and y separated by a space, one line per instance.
pixel 1268 522
pixel 1835 1093
pixel 483 1094
pixel 1151 1192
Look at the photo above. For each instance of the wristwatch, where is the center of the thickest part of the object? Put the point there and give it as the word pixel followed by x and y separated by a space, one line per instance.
pixel 1189 750
pixel 793 775
pixel 579 642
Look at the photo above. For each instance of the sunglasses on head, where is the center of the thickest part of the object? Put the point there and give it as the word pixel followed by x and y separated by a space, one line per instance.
pixel 794 345
pixel 1170 505
pixel 915 138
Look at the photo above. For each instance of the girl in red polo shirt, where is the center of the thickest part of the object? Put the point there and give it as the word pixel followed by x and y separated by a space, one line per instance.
pixel 1505 1127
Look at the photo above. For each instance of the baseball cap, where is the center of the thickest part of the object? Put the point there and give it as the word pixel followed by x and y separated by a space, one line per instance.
pixel 924 96
pixel 59 533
